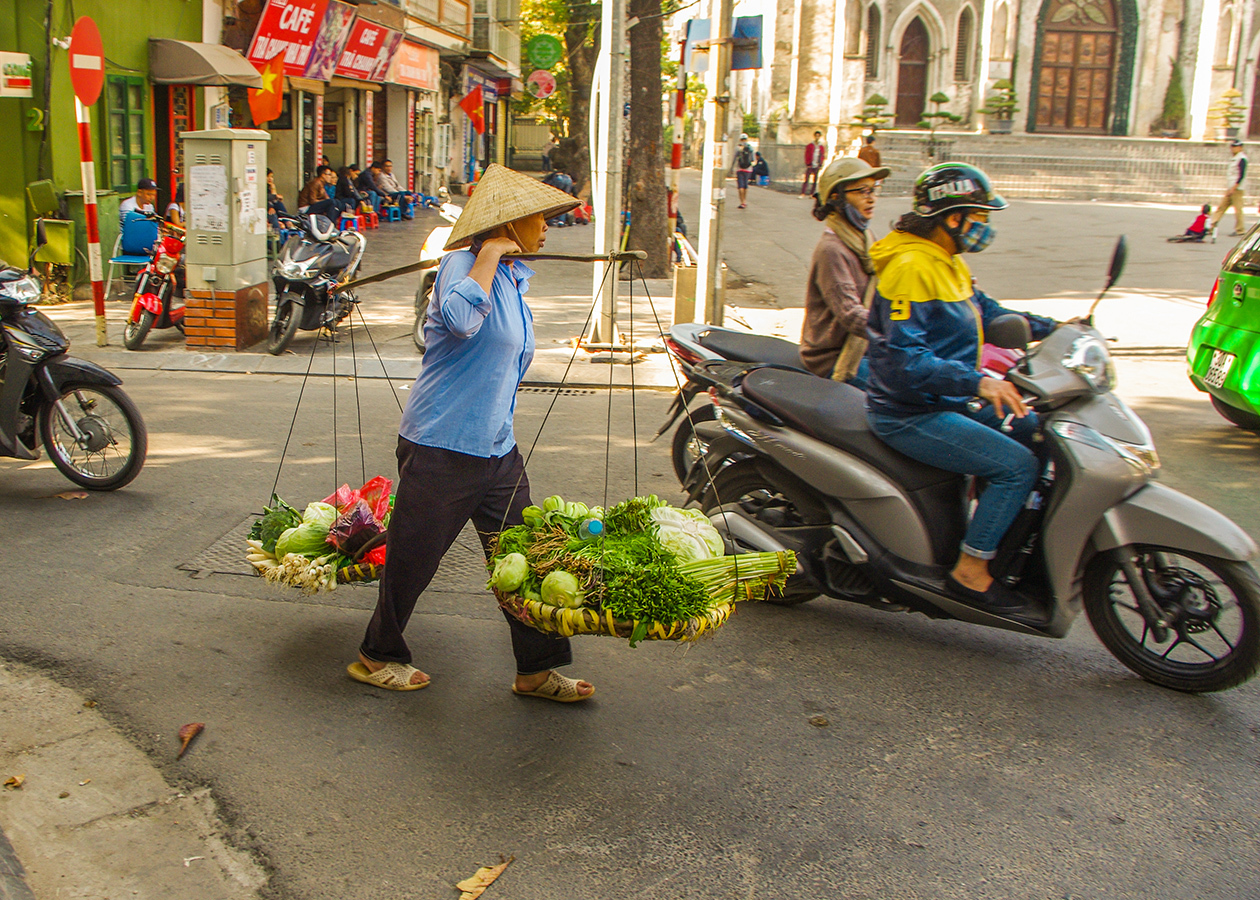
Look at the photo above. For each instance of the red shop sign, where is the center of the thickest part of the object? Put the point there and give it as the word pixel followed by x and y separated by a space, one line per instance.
pixel 288 27
pixel 369 51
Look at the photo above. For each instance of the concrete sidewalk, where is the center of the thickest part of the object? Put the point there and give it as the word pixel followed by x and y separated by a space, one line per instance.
pixel 93 817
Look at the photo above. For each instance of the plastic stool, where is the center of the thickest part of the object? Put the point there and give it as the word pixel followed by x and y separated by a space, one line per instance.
pixel 371 219
pixel 408 209
pixel 393 213
pixel 349 220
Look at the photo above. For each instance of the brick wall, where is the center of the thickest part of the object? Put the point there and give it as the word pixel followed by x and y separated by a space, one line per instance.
pixel 226 320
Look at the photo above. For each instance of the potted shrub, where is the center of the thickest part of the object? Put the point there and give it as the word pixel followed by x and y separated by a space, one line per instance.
pixel 934 119
pixel 872 115
pixel 999 111
pixel 1229 111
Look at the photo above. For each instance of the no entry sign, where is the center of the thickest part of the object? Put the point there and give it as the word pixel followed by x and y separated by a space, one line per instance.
pixel 87 61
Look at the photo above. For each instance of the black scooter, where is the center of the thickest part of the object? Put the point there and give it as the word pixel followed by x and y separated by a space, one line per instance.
pixel 92 431
pixel 309 275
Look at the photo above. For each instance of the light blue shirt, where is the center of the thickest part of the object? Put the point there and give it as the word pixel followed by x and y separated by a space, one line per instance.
pixel 477 349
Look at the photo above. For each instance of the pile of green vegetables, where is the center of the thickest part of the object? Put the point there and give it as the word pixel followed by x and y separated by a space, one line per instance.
pixel 652 562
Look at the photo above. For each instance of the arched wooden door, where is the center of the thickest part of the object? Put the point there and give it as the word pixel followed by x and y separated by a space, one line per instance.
pixel 912 74
pixel 1078 56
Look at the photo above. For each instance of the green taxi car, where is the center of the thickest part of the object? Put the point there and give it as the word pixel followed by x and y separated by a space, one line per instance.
pixel 1224 352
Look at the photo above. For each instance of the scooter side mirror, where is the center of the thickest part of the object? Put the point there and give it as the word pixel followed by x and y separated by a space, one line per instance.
pixel 1010 332
pixel 1118 257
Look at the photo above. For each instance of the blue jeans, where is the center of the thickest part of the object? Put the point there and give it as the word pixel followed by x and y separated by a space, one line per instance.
pixel 971 444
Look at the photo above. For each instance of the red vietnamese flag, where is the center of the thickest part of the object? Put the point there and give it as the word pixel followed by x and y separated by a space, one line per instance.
pixel 472 105
pixel 267 102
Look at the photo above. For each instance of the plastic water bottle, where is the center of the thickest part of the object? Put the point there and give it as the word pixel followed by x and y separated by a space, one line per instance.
pixel 590 528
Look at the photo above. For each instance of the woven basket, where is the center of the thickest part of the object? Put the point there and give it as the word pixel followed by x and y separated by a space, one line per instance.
pixel 568 622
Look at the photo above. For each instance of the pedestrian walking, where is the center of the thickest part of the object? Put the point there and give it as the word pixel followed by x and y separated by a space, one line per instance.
pixel 546 152
pixel 744 162
pixel 869 153
pixel 815 156
pixel 842 278
pixel 1233 188
pixel 457 455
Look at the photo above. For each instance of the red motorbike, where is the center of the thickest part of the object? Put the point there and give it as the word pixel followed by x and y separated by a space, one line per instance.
pixel 159 297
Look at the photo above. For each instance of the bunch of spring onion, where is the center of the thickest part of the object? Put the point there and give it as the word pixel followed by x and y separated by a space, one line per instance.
pixel 649 562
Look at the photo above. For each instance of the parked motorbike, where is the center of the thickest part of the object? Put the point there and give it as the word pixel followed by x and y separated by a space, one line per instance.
pixel 432 249
pixel 309 273
pixel 92 431
pixel 1167 583
pixel 159 296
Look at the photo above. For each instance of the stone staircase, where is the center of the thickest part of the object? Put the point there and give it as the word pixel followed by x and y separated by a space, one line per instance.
pixel 1048 167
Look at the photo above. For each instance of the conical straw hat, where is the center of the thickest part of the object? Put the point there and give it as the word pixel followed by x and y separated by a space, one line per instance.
pixel 501 196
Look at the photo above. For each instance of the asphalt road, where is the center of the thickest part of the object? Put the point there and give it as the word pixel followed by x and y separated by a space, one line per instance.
pixel 956 762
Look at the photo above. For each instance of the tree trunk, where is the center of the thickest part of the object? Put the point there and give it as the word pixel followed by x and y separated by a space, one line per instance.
pixel 645 165
pixel 581 41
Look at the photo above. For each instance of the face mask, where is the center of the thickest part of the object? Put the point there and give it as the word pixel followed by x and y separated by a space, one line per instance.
pixel 974 236
pixel 859 221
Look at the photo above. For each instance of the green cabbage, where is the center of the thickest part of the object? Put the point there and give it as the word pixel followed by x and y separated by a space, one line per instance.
pixel 687 533
pixel 304 540
pixel 510 573
pixel 560 588
pixel 320 514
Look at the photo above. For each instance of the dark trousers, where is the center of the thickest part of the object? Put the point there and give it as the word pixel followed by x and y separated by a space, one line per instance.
pixel 438 491
pixel 811 180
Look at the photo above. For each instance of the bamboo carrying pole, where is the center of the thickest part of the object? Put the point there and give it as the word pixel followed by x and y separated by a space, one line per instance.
pixel 614 256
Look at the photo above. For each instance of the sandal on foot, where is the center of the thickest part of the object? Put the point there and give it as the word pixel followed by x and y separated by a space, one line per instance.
pixel 391 676
pixel 557 687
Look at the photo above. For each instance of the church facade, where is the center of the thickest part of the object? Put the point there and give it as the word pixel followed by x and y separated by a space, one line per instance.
pixel 1079 67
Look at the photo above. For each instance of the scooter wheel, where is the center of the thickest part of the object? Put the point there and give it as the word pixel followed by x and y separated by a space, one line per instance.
pixel 283 327
pixel 114 440
pixel 687 447
pixel 1209 612
pixel 135 332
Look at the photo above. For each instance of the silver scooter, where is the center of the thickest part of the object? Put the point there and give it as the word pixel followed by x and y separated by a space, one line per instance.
pixel 1167 583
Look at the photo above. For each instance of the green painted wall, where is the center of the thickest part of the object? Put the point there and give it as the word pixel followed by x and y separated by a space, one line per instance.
pixel 125 26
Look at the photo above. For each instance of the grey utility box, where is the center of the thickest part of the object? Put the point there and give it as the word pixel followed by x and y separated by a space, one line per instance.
pixel 225 196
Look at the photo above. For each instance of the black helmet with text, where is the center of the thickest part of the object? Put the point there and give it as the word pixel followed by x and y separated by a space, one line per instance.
pixel 958 187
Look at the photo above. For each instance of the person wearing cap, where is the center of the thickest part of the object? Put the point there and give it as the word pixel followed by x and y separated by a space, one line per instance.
pixel 457 454
pixel 1233 188
pixel 841 275
pixel 144 201
pixel 926 329
pixel 745 159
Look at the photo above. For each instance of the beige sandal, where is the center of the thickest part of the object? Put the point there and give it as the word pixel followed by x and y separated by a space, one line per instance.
pixel 557 687
pixel 392 676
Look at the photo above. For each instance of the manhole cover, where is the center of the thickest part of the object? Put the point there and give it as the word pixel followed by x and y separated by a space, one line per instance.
pixel 463 567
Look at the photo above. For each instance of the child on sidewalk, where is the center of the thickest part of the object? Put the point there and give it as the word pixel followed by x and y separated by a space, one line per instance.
pixel 1198 229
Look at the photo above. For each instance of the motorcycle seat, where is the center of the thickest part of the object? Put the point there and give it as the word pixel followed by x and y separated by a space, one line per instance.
pixel 835 413
pixel 742 346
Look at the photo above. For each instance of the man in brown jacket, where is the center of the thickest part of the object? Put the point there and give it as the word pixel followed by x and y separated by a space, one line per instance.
pixel 841 274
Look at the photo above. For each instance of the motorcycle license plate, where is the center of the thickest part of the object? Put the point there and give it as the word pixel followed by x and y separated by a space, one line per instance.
pixel 1221 362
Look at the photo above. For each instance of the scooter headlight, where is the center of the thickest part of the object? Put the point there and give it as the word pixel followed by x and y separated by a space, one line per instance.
pixel 1090 359
pixel 165 264
pixel 296 270
pixel 23 290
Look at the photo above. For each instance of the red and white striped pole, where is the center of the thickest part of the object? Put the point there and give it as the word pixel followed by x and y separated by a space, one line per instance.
pixel 675 162
pixel 88 169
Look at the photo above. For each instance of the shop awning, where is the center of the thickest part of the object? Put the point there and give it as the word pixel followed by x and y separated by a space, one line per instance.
pixel 186 62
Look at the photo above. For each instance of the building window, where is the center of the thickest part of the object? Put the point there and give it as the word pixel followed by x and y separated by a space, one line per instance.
pixel 125 131
pixel 1001 22
pixel 874 27
pixel 962 55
